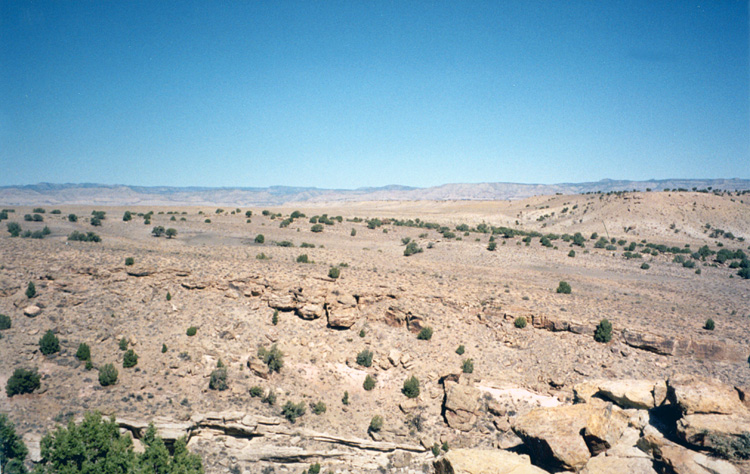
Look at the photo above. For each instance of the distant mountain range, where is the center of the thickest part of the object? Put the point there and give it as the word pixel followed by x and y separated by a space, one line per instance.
pixel 117 195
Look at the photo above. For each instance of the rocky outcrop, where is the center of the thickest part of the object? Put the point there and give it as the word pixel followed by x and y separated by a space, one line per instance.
pixel 703 395
pixel 342 311
pixel 32 311
pixel 605 464
pixel 699 349
pixel 480 461
pixel 727 435
pixel 640 394
pixel 461 406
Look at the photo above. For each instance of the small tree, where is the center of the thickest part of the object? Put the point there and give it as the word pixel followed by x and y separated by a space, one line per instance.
pixel 218 379
pixel 564 288
pixel 461 349
pixel 317 228
pixel 364 358
pixel 157 231
pixel 5 322
pixel 345 398
pixel 130 359
pixel 31 290
pixel 303 258
pixel 171 233
pixel 49 344
pixel 468 366
pixel 259 239
pixel 492 246
pixel 13 451
pixel 291 411
pixel 72 218
pixel 127 216
pixel 318 408
pixel 709 326
pixel 14 229
pixel 520 322
pixel 411 249
pixel 411 387
pixel 123 344
pixel 107 375
pixel 83 352
pixel 334 272
pixel 376 423
pixel 425 334
pixel 22 381
pixel 129 261
pixel 273 358
pixel 191 331
pixel 369 383
pixel 603 331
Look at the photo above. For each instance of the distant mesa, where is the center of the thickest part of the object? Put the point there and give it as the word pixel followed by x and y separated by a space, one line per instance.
pixel 120 195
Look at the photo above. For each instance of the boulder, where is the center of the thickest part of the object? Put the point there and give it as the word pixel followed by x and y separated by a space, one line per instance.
pixel 395 317
pixel 310 311
pixel 257 367
pixel 32 311
pixel 640 394
pixel 649 342
pixel 342 318
pixel 722 434
pixel 565 436
pixel 461 406
pixel 703 395
pixel 603 464
pixel 684 461
pixel 281 301
pixel 484 461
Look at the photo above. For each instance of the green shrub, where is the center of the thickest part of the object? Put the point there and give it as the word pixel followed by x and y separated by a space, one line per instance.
pixel 572 253
pixel 468 366
pixel 376 423
pixel 259 239
pixel 411 249
pixel 303 258
pixel 270 398
pixel 262 256
pixel 169 296
pixel 30 290
pixel 317 228
pixel 163 348
pixel 157 231
pixel 191 331
pixel 127 216
pixel 645 266
pixel 369 383
pixel 425 334
pixel 306 245
pixel 353 232
pixel 411 387
pixel 318 408
pixel 256 391
pixel 603 331
pixel 492 246
pixel 275 317
pixel 564 287
pixel 83 352
pixel 130 359
pixel 123 344
pixel 273 358
pixel 14 229
pixel 364 358
pixel 49 344
pixel 334 272
pixel 13 451
pixel 89 365
pixel 361 333
pixel 129 261
pixel 709 325
pixel 435 450
pixel 291 411
pixel 284 243
pixel 461 349
pixel 5 322
pixel 520 322
pixel 218 379
pixel 22 381
pixel 314 469
pixel 171 233
pixel 345 398
pixel 76 236
pixel 107 375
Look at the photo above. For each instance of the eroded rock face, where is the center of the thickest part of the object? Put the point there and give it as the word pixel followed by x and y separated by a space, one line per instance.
pixel 719 433
pixel 461 406
pixel 703 395
pixel 605 464
pixel 684 461
pixel 342 318
pixel 640 394
pixel 480 461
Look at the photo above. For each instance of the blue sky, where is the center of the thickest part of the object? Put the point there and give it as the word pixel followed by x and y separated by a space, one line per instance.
pixel 368 93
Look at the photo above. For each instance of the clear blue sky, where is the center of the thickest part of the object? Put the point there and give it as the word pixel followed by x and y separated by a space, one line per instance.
pixel 368 93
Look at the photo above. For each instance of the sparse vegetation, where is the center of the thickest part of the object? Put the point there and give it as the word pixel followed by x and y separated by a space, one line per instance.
pixel 123 344
pixel 273 358
pixel 191 331
pixel 411 387
pixel 603 331
pixel 334 272
pixel 460 350
pixel 49 344
pixel 364 358
pixel 376 423
pixel 22 381
pixel 425 334
pixel 520 322
pixel 218 379
pixel 369 383
pixel 107 375
pixel 130 359
pixel 76 236
pixel 30 290
pixel 564 288
pixel 291 411
pixel 84 352
pixel 259 239
pixel 5 322
pixel 468 366
pixel 710 325
pixel 318 408
pixel 411 249
pixel 129 261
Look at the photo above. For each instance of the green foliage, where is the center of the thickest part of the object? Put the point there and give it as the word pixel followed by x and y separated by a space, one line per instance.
pixel 76 236
pixel 318 408
pixel 12 447
pixel 273 358
pixel 316 228
pixel 314 469
pixel 262 256
pixel 645 266
pixel 579 239
pixel 129 261
pixel 492 246
pixel 334 272
pixel 306 245
pixel 361 333
pixel 468 366
pixel 520 322
pixel 171 233
pixel 435 450
pixel 191 331
pixel 123 344
pixel 345 399
pixel 275 317
pixel 744 273
pixel 572 254
pixel 127 216
pixel 107 375
pixel 303 258
pixel 411 387
pixel 425 334
pixel 163 348
pixel 96 446
pixel 376 423
pixel 291 411
pixel 169 296
pixel 30 290
pixel 218 379
pixel 710 325
pixel 49 344
pixel 411 249
pixel 364 358
pixel 284 243
pixel 270 398
pixel 22 381
pixel 603 331
pixel 14 229
pixel 369 383
pixel 256 391
pixel 5 322
pixel 83 352
pixel 353 232
pixel 157 231
pixel 564 288
pixel 734 448
pixel 461 349
pixel 130 359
